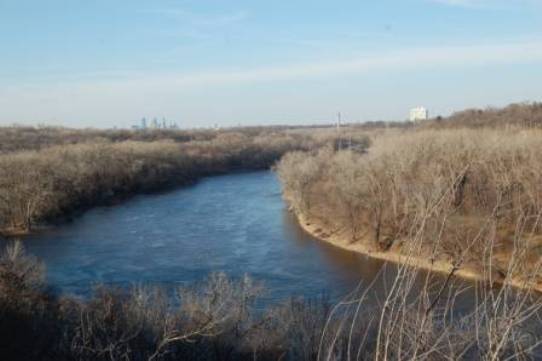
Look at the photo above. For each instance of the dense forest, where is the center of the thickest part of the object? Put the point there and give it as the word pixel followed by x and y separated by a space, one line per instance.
pixel 464 194
pixel 469 196
pixel 49 174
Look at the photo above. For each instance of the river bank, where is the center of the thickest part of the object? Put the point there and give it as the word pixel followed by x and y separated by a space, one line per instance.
pixel 61 181
pixel 423 261
pixel 235 222
pixel 112 199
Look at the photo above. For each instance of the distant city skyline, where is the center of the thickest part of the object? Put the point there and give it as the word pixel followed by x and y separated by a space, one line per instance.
pixel 106 64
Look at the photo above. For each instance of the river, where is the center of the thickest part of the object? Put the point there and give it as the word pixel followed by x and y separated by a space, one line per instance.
pixel 234 223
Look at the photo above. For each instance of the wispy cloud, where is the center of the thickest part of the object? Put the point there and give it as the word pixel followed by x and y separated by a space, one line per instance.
pixel 434 57
pixel 399 60
pixel 117 96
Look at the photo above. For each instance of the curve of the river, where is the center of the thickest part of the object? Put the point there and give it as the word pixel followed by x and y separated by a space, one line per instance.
pixel 235 223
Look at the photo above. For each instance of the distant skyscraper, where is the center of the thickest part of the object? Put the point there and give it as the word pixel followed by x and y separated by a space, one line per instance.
pixel 144 123
pixel 155 124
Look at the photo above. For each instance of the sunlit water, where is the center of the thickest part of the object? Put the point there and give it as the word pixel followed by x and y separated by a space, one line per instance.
pixel 236 223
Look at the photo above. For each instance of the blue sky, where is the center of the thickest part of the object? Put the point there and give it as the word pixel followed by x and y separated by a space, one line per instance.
pixel 107 63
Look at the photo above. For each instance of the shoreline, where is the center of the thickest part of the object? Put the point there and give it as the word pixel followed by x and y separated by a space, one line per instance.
pixel 120 198
pixel 315 230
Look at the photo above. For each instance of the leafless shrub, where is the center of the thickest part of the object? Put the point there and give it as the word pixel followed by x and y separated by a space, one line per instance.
pixel 18 271
pixel 29 326
pixel 418 318
pixel 54 182
pixel 449 186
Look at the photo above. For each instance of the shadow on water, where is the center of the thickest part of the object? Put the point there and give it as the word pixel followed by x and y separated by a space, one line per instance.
pixel 374 272
pixel 348 264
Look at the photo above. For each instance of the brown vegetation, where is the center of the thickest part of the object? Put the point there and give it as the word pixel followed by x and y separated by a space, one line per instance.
pixel 218 320
pixel 521 115
pixel 214 320
pixel 17 138
pixel 455 190
pixel 464 199
pixel 43 185
pixel 461 201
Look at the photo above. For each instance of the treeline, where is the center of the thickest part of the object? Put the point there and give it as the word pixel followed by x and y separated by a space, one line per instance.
pixel 219 320
pixel 17 138
pixel 523 115
pixel 470 198
pixel 519 115
pixel 56 181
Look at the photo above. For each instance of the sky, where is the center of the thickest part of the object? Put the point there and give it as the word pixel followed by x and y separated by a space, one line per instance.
pixel 108 63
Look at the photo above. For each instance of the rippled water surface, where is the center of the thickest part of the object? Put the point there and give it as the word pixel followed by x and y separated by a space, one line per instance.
pixel 235 223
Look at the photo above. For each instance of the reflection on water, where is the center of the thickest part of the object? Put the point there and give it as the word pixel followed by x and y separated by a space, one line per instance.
pixel 350 265
pixel 234 223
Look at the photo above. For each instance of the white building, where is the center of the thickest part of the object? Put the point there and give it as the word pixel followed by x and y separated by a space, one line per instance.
pixel 419 113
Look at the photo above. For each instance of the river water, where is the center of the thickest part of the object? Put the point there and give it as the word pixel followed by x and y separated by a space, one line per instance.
pixel 235 223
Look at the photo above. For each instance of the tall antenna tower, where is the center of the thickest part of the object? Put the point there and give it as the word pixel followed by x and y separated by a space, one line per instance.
pixel 339 139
